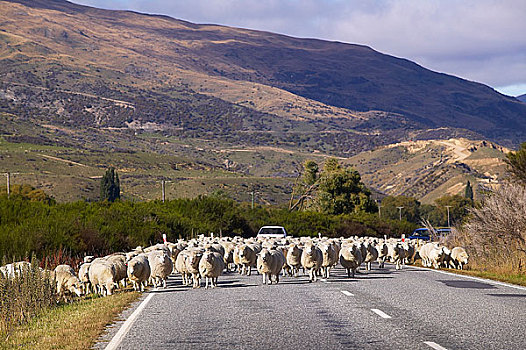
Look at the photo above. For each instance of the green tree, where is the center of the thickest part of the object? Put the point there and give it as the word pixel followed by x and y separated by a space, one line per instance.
pixel 341 190
pixel 410 210
pixel 468 193
pixel 459 208
pixel 110 188
pixel 516 162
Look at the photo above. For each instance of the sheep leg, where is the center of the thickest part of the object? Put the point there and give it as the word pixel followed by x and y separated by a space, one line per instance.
pixel 277 278
pixel 164 283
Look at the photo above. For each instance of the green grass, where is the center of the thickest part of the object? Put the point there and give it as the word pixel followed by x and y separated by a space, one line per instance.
pixel 74 326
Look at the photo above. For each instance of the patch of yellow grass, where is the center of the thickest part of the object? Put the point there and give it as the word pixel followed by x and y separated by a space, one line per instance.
pixel 508 277
pixel 74 326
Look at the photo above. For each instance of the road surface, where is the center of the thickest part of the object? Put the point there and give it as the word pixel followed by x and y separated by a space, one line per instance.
pixel 382 309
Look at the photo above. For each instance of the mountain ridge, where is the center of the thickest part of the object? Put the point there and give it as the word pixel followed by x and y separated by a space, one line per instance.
pixel 349 76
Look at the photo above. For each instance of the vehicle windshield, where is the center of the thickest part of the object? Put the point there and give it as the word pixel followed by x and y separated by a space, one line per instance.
pixel 270 231
pixel 421 232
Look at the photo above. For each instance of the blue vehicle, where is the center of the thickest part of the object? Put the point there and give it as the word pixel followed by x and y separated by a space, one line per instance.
pixel 421 233
pixel 442 232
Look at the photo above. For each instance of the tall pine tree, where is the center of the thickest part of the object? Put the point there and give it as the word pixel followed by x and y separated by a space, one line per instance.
pixel 110 188
pixel 468 193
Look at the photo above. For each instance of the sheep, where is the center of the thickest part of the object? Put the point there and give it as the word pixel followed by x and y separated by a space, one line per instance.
pixel 118 261
pixel 330 258
pixel 138 271
pixel 102 276
pixel 409 252
pixel 161 267
pixel 382 250
pixel 311 259
pixel 211 267
pixel 459 257
pixel 67 282
pixel 247 258
pixel 15 269
pixel 436 255
pixel 269 263
pixel 236 259
pixel 294 258
pixel 180 266
pixel 350 258
pixel 84 277
pixel 396 254
pixel 192 266
pixel 371 255
pixel 424 253
pixel 229 254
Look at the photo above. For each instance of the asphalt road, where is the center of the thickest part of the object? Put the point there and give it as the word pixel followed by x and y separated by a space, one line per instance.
pixel 382 309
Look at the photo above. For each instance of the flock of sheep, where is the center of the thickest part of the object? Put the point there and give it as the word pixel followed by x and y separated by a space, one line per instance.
pixel 208 258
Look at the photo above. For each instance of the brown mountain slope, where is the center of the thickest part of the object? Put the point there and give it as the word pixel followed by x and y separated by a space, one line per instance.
pixel 171 72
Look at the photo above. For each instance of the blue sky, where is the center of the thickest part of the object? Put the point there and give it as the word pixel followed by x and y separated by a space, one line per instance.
pixel 480 40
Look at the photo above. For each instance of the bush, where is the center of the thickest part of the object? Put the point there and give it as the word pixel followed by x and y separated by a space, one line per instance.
pixel 24 296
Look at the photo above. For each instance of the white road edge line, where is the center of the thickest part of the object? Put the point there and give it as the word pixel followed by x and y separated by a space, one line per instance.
pixel 434 345
pixel 349 294
pixel 471 277
pixel 117 338
pixel 380 313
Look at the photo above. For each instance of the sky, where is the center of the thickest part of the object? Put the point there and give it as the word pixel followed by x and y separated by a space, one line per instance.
pixel 479 40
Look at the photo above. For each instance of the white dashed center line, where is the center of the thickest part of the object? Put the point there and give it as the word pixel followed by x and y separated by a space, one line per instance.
pixel 434 345
pixel 349 294
pixel 380 313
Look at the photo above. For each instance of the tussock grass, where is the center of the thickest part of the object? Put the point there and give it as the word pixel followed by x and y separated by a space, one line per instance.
pixel 73 326
pixel 24 295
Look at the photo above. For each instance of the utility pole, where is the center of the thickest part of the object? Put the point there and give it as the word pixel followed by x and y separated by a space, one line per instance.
pixel 379 205
pixel 252 194
pixel 447 207
pixel 400 209
pixel 164 192
pixel 8 176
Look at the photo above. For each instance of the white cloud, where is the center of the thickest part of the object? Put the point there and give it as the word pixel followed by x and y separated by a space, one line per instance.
pixel 481 40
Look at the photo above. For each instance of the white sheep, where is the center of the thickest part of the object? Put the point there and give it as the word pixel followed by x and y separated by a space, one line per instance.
pixel 192 266
pixel 371 255
pixel 311 260
pixel 161 267
pixel 211 266
pixel 459 257
pixel 138 271
pixel 269 263
pixel 351 258
pixel 180 266
pixel 84 277
pixel 294 258
pixel 330 258
pixel 67 282
pixel 396 254
pixel 247 258
pixel 382 250
pixel 118 260
pixel 102 276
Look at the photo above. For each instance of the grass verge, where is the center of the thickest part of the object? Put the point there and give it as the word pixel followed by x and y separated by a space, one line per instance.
pixel 501 276
pixel 508 277
pixel 73 326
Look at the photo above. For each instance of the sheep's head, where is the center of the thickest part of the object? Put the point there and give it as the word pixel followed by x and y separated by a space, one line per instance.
pixel 244 251
pixel 463 258
pixel 74 285
pixel 194 258
pixel 264 255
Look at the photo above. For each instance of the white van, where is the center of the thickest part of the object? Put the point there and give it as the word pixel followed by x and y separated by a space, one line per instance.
pixel 272 232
